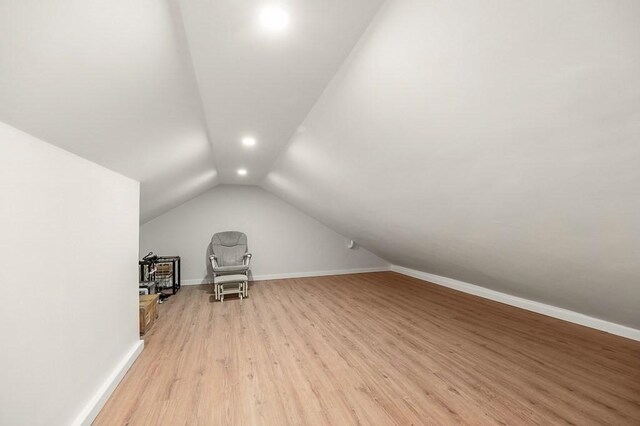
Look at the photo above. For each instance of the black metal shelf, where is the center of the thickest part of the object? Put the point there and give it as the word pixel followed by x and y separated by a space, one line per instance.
pixel 147 270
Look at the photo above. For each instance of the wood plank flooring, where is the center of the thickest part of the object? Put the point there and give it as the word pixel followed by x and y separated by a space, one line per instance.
pixel 371 349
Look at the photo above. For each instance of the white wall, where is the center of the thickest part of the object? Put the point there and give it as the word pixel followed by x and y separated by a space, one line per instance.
pixel 494 142
pixel 282 239
pixel 68 251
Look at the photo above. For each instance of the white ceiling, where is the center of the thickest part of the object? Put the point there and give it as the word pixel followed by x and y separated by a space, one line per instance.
pixel 497 143
pixel 263 84
pixel 113 81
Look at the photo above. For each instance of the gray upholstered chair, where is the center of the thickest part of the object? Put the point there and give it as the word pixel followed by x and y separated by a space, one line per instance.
pixel 230 262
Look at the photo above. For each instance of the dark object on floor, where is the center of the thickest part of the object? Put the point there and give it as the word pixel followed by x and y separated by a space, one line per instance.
pixel 164 271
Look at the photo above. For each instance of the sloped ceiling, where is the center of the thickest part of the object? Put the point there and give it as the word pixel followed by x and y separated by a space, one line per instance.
pixel 263 84
pixel 112 82
pixel 496 143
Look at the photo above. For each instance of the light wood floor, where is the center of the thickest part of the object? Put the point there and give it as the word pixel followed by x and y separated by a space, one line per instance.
pixel 371 349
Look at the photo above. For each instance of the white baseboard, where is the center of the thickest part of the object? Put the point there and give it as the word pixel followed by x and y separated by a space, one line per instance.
pixel 197 281
pixel 529 305
pixel 297 275
pixel 319 273
pixel 95 404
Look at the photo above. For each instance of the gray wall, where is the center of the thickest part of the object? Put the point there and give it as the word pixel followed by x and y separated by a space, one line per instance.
pixel 69 311
pixel 282 239
pixel 493 142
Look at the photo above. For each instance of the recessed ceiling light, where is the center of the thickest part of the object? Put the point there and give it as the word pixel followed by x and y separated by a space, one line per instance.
pixel 274 18
pixel 242 172
pixel 248 141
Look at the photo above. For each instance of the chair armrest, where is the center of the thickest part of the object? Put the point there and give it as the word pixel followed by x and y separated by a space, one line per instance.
pixel 246 259
pixel 214 260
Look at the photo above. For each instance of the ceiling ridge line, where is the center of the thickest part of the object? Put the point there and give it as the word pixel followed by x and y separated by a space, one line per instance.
pixel 185 48
pixel 344 63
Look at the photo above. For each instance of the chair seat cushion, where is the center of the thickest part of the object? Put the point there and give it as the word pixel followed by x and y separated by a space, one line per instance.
pixel 226 279
pixel 228 269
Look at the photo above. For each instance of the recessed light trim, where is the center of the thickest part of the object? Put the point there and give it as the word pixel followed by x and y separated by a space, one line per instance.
pixel 248 141
pixel 242 172
pixel 274 19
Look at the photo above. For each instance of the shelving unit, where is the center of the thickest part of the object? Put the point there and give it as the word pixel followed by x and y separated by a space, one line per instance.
pixel 163 270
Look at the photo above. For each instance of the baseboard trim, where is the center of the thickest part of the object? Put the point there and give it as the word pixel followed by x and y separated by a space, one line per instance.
pixel 519 302
pixel 195 282
pixel 298 275
pixel 319 273
pixel 95 404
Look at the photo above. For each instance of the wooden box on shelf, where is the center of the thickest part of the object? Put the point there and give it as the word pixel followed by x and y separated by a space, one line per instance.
pixel 148 311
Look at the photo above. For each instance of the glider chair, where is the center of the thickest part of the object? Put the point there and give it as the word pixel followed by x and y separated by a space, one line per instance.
pixel 230 262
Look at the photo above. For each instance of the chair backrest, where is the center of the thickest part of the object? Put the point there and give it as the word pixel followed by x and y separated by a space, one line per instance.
pixel 229 247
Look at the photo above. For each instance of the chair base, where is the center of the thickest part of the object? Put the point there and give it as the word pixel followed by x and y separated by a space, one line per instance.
pixel 232 287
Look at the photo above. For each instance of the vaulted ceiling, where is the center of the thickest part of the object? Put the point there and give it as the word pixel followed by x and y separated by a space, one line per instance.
pixel 112 82
pixel 262 84
pixel 164 91
pixel 494 142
